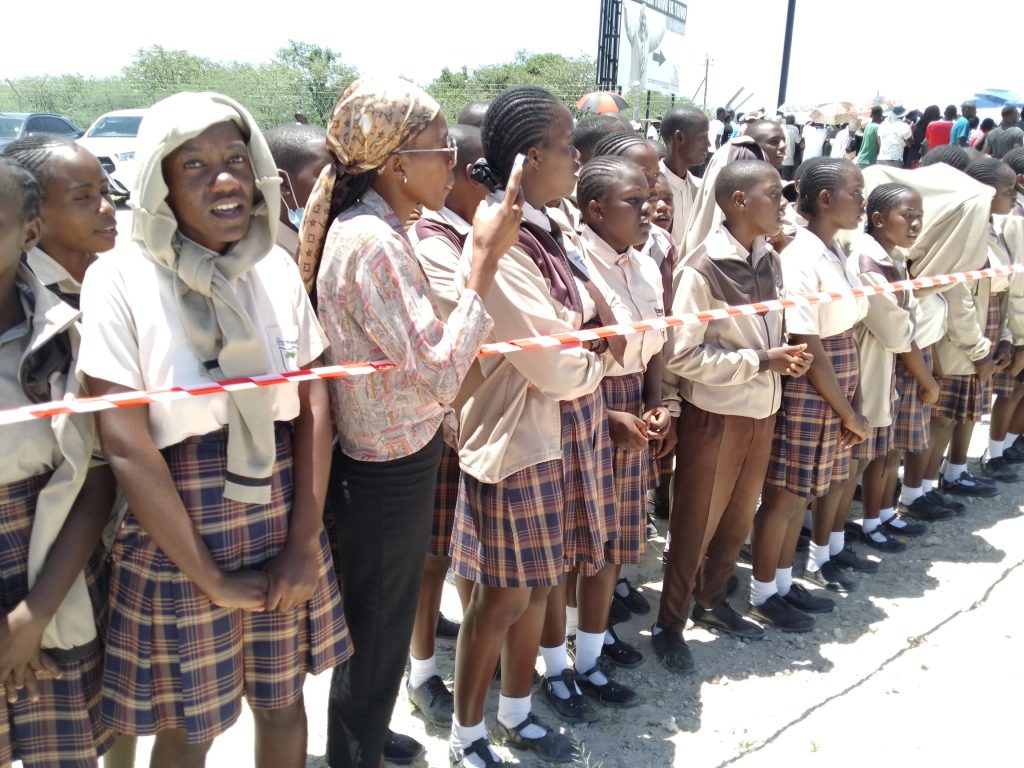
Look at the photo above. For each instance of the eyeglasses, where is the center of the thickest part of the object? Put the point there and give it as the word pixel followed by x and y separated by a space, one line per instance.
pixel 452 149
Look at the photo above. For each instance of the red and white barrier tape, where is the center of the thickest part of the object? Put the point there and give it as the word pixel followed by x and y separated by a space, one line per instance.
pixel 574 338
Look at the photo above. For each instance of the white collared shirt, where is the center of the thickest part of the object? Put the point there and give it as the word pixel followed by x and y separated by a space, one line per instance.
pixel 810 266
pixel 684 192
pixel 635 279
pixel 50 272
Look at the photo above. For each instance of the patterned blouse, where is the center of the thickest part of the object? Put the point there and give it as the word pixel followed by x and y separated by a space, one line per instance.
pixel 375 304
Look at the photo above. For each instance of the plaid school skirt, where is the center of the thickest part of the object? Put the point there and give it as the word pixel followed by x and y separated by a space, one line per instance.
pixel 445 498
pixel 176 660
pixel 64 727
pixel 806 455
pixel 878 444
pixel 960 398
pixel 530 528
pixel 911 417
pixel 1001 383
pixel 633 472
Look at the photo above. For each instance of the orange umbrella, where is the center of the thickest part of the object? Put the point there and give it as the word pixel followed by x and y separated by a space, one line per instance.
pixel 601 102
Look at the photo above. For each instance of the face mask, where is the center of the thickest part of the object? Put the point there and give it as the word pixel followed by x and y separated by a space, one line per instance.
pixel 295 216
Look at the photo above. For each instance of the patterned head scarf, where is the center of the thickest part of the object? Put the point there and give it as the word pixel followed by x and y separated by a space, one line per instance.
pixel 372 120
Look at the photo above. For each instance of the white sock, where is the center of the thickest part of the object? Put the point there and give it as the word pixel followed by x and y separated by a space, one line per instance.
pixel 462 736
pixel 1011 438
pixel 555 660
pixel 421 670
pixel 609 638
pixel 995 448
pixel 760 591
pixel 888 515
pixel 512 712
pixel 783 580
pixel 656 630
pixel 622 588
pixel 588 648
pixel 909 495
pixel 817 557
pixel 929 485
pixel 870 524
pixel 836 542
pixel 572 620
pixel 952 472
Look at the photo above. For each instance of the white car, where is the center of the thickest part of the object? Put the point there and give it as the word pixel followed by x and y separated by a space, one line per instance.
pixel 112 138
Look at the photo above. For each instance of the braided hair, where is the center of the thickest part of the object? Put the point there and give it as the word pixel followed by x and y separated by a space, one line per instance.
pixel 589 132
pixel 618 144
pixel 20 186
pixel 598 175
pixel 950 154
pixel 988 170
pixel 36 154
pixel 883 199
pixel 1015 159
pixel 820 174
pixel 517 119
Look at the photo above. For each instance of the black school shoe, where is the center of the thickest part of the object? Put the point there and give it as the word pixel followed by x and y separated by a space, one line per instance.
pixel 777 612
pixel 481 749
pixel 573 709
pixel 999 469
pixel 927 509
pixel 882 541
pixel 725 619
pixel 620 654
pixel 672 652
pixel 634 600
pixel 433 700
pixel 400 749
pixel 906 527
pixel 945 501
pixel 446 628
pixel 611 693
pixel 831 577
pixel 850 559
pixel 618 612
pixel 1015 453
pixel 801 599
pixel 968 485
pixel 552 747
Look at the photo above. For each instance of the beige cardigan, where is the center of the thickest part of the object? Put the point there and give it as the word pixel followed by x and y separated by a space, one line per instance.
pixel 885 331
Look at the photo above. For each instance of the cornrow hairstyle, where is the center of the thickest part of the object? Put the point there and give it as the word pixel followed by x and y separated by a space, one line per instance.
pixel 290 143
pixel 883 199
pixel 598 175
pixel 20 186
pixel 950 154
pixel 617 144
pixel 590 131
pixel 988 170
pixel 821 174
pixel 519 118
pixel 1015 159
pixel 37 154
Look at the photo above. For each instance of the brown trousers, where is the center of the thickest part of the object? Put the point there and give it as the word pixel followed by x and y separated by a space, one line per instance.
pixel 721 462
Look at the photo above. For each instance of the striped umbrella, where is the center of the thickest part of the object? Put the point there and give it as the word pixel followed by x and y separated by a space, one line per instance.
pixel 601 102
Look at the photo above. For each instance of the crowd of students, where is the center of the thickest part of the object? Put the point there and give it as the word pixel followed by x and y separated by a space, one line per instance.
pixel 163 561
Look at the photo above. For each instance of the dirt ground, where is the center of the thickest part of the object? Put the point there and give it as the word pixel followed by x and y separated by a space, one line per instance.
pixel 920 661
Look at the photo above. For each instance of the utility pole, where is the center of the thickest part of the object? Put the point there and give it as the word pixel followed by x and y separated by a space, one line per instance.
pixel 787 49
pixel 707 66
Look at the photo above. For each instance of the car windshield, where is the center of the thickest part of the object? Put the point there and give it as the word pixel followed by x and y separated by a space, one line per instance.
pixel 124 126
pixel 10 127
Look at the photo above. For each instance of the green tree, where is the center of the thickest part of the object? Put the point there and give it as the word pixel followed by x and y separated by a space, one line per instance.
pixel 322 76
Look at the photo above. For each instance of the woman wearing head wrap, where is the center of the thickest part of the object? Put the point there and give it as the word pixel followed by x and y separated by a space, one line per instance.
pixel 391 154
pixel 221 581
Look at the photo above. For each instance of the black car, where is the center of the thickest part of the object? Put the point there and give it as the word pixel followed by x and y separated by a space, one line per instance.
pixel 15 125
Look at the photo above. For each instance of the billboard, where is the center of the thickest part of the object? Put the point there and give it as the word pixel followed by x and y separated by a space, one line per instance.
pixel 651 45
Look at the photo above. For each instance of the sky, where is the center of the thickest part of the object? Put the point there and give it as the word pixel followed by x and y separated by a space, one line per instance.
pixel 841 51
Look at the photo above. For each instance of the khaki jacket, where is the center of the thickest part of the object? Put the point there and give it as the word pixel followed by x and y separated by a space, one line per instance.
pixel 723 365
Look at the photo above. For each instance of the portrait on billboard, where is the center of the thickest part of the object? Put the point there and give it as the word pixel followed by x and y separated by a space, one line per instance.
pixel 650 45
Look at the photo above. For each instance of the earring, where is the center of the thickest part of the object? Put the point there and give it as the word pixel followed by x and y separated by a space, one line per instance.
pixel 405 180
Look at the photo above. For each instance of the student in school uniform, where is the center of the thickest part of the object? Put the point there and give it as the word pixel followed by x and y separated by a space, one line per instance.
pixel 55 506
pixel 537 492
pixel 438 238
pixel 221 582
pixel 894 215
pixel 300 153
pixel 391 153
pixel 615 199
pixel 821 418
pixel 731 373
pixel 684 130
